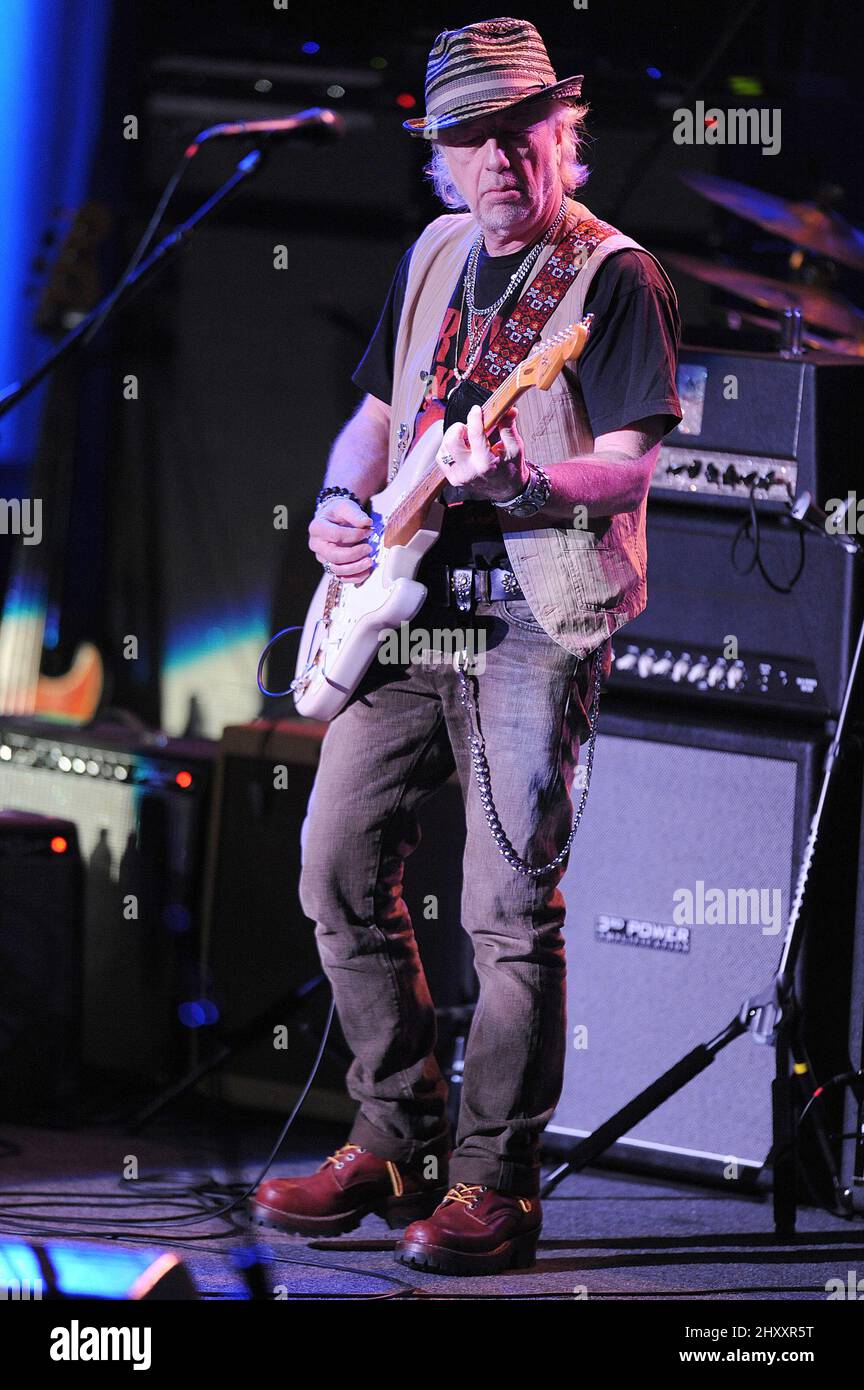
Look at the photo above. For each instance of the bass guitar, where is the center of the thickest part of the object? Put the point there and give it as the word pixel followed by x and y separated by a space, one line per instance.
pixel 73 696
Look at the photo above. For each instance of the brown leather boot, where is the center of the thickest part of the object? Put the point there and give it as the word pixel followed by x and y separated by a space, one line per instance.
pixel 476 1230
pixel 349 1185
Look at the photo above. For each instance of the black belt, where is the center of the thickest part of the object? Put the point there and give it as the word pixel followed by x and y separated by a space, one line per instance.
pixel 465 585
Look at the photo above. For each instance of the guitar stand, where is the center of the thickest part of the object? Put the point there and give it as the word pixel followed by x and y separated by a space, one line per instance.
pixel 772 1017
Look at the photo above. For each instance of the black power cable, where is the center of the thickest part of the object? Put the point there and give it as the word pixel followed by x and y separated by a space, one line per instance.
pixel 749 531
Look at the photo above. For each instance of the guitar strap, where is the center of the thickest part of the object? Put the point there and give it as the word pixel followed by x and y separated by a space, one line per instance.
pixel 518 334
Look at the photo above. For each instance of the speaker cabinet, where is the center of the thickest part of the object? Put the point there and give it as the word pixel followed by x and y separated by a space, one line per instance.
pixel 41 975
pixel 678 891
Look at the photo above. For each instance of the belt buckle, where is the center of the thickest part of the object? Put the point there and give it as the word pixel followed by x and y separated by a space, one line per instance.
pixel 460 581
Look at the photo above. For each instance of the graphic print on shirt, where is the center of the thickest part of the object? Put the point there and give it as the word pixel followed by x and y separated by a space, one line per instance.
pixel 442 376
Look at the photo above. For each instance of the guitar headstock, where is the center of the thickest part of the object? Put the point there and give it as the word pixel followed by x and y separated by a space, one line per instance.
pixel 547 357
pixel 73 286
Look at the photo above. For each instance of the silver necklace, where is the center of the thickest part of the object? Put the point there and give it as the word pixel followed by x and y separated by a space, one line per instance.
pixel 484 317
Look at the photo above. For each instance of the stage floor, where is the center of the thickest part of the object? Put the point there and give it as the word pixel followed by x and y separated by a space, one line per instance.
pixel 607 1236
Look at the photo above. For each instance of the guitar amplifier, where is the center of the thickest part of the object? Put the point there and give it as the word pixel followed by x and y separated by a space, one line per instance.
pixel 715 631
pixel 139 813
pixel 759 423
pixel 678 891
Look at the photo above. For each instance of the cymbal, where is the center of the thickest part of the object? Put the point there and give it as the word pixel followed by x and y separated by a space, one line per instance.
pixel 805 224
pixel 821 307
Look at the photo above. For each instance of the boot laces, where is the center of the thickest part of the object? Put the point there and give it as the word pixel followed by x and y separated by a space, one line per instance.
pixel 346 1153
pixel 466 1193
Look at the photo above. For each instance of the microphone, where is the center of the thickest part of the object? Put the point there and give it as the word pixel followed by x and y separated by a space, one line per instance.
pixel 808 513
pixel 317 123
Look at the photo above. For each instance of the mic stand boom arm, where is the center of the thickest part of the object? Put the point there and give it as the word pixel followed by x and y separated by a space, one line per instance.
pixel 158 258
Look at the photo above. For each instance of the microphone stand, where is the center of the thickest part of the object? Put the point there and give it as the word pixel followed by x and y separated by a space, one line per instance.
pixel 161 255
pixel 772 1016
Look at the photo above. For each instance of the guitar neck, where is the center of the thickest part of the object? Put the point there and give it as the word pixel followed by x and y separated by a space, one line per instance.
pixel 408 517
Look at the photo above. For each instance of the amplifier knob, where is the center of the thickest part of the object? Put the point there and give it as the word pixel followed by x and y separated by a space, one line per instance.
pixel 626 662
pixel 645 663
pixel 717 672
pixel 735 675
pixel 698 672
pixel 681 667
pixel 662 666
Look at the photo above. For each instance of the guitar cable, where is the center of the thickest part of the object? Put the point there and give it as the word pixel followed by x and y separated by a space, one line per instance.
pixel 202 1193
pixel 276 694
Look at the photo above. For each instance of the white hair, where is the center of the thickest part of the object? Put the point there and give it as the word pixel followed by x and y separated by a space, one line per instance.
pixel 573 172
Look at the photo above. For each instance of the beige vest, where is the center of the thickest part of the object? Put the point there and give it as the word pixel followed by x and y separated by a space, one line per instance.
pixel 582 583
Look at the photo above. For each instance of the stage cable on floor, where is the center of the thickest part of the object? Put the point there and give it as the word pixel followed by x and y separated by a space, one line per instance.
pixel 207 1196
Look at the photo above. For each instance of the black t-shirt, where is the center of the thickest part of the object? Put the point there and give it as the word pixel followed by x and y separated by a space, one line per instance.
pixel 626 370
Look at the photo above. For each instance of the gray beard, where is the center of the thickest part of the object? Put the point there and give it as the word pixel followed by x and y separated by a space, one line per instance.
pixel 503 216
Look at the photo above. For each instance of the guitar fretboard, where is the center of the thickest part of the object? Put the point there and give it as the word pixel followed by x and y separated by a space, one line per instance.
pixel 404 519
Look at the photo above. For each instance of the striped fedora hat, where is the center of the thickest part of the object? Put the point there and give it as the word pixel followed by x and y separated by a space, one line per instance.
pixel 481 69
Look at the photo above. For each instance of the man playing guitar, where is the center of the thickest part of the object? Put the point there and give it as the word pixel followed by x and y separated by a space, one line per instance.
pixel 543 549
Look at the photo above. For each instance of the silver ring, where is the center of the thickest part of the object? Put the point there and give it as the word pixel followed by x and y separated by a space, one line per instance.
pixel 326 566
pixel 446 459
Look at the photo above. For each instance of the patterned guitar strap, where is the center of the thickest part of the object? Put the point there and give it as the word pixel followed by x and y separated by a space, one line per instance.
pixel 517 335
pixel 510 346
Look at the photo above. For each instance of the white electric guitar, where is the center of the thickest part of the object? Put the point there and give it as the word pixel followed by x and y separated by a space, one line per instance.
pixel 346 622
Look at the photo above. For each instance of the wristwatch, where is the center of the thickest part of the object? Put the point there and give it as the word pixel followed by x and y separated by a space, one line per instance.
pixel 533 496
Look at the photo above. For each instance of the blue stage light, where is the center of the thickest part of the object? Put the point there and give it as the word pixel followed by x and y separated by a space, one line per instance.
pixel 79 1270
pixel 52 61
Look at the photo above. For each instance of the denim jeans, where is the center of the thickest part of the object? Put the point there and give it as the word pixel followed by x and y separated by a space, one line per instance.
pixel 393 745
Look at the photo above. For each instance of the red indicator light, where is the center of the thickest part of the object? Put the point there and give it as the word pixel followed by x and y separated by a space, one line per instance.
pixel 59 845
pixel 405 99
pixel 183 779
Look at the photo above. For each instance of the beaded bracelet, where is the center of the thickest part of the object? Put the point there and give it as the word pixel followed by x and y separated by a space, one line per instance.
pixel 327 492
